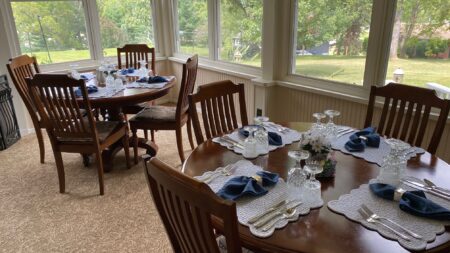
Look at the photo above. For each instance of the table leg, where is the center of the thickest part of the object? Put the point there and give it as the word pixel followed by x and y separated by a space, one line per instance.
pixel 114 114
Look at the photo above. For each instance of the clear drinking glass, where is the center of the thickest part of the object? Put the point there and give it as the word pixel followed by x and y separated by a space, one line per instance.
pixel 393 168
pixel 313 167
pixel 261 134
pixel 143 71
pixel 250 143
pixel 296 175
pixel 74 72
pixel 318 116
pixel 331 126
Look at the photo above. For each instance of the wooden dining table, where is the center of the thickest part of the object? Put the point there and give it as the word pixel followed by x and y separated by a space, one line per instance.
pixel 114 104
pixel 322 231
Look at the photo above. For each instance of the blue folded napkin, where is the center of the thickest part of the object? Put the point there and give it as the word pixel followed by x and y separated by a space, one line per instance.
pixel 413 202
pixel 127 71
pixel 274 138
pixel 87 76
pixel 90 89
pixel 356 144
pixel 247 186
pixel 154 79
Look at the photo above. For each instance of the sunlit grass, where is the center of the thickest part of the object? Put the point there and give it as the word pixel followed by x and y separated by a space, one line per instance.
pixel 338 68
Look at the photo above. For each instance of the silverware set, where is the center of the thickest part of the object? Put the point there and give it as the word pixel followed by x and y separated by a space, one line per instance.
pixel 429 187
pixel 281 210
pixel 276 127
pixel 231 142
pixel 225 171
pixel 371 217
pixel 344 131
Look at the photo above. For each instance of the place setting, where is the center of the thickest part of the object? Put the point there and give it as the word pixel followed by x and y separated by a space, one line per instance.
pixel 264 201
pixel 399 206
pixel 259 139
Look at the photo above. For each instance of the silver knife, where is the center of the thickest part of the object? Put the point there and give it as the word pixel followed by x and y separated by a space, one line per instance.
pixel 268 218
pixel 345 132
pixel 426 189
pixel 436 188
pixel 235 143
pixel 267 211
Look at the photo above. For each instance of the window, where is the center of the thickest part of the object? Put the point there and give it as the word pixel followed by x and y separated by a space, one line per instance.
pixel 124 22
pixel 240 31
pixel 193 27
pixel 53 31
pixel 332 38
pixel 419 51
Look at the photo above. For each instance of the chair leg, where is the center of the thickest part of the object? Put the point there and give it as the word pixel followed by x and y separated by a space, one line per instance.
pixel 189 132
pixel 60 170
pixel 41 144
pixel 126 148
pixel 180 144
pixel 146 134
pixel 152 134
pixel 98 155
pixel 135 145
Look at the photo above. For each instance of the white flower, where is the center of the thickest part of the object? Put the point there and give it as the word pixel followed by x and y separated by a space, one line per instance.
pixel 316 147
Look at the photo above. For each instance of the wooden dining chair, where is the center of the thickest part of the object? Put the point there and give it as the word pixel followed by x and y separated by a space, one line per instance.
pixel 217 108
pixel 133 53
pixel 187 206
pixel 20 68
pixel 68 130
pixel 156 118
pixel 406 111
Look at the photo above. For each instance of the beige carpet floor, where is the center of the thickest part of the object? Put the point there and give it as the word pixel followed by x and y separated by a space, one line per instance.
pixel 35 217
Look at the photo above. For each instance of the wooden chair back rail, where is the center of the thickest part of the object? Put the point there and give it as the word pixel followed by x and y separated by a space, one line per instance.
pixel 59 108
pixel 406 112
pixel 186 207
pixel 20 68
pixel 218 108
pixel 135 53
pixel 187 85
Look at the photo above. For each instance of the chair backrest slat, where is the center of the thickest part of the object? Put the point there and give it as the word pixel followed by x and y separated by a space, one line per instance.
pixel 187 208
pixel 20 68
pixel 217 109
pixel 411 125
pixel 187 85
pixel 133 54
pixel 59 109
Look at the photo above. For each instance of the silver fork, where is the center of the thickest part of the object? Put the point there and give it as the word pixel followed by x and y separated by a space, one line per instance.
pixel 224 172
pixel 377 217
pixel 280 129
pixel 345 132
pixel 369 219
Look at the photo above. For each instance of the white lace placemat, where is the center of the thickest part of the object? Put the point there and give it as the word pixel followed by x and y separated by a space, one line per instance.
pixel 150 85
pixel 349 204
pixel 371 154
pixel 104 92
pixel 289 136
pixel 248 207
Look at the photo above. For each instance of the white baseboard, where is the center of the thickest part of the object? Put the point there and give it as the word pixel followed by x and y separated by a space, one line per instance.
pixel 26 131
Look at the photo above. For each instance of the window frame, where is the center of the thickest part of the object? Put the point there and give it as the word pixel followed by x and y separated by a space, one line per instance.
pixel 214 43
pixel 383 13
pixel 92 21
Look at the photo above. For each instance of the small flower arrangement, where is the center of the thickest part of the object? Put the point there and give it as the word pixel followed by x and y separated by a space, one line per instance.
pixel 316 143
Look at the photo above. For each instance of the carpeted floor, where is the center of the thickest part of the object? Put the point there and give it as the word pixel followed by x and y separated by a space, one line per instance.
pixel 35 217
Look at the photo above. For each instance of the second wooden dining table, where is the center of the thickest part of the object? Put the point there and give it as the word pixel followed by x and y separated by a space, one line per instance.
pixel 114 105
pixel 322 231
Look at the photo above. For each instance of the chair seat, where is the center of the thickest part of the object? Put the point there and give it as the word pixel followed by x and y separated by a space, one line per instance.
pixel 104 130
pixel 134 109
pixel 158 114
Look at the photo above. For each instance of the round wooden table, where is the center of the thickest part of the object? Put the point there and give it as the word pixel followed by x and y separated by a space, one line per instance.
pixel 114 104
pixel 323 231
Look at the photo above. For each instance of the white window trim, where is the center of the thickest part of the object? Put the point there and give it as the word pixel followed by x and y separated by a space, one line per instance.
pixel 93 34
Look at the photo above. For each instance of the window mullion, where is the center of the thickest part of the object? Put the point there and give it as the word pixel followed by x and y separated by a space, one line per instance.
pixel 383 15
pixel 214 28
pixel 93 29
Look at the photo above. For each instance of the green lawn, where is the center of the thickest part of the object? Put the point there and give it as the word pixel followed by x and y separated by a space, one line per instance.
pixel 339 68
